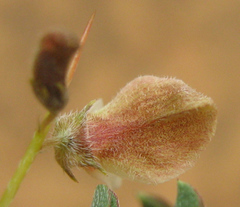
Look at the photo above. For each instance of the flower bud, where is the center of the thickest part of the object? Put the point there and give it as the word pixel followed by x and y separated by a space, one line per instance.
pixel 50 69
pixel 152 131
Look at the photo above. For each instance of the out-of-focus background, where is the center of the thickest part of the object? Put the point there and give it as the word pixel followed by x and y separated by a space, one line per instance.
pixel 196 41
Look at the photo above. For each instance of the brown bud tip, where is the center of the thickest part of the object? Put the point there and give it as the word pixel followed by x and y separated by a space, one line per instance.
pixel 50 69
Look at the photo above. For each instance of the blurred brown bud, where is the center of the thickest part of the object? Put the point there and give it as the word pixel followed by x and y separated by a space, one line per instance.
pixel 50 69
pixel 152 131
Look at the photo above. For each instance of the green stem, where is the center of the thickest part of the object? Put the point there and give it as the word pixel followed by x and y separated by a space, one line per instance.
pixel 27 160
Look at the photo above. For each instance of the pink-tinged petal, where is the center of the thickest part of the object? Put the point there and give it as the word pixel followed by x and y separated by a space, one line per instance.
pixel 153 130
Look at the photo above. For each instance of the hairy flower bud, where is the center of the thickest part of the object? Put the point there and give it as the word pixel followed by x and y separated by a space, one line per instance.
pixel 50 69
pixel 152 131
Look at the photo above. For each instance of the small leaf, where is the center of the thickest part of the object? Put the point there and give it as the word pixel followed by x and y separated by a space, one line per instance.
pixel 101 197
pixel 187 196
pixel 104 197
pixel 152 201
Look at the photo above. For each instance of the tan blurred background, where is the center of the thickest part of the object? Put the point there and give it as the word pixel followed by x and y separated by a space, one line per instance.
pixel 196 41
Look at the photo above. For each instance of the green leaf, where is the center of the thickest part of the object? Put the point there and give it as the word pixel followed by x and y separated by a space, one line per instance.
pixel 104 197
pixel 187 196
pixel 152 201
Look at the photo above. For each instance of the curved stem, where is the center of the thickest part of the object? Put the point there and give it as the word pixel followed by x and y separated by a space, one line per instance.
pixel 27 160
